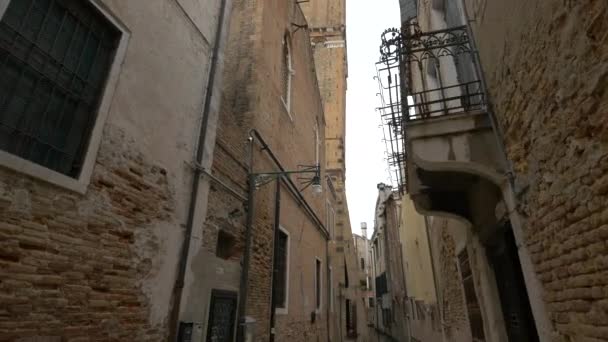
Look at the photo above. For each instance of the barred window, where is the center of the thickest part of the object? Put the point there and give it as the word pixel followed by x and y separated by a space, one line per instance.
pixel 281 271
pixel 55 57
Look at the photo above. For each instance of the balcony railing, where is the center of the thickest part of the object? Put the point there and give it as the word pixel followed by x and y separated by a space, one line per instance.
pixel 434 102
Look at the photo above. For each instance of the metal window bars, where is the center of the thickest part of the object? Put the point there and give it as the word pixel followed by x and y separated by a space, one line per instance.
pixel 423 75
pixel 54 60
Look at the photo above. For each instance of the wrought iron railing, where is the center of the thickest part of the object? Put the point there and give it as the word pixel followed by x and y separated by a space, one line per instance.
pixel 423 75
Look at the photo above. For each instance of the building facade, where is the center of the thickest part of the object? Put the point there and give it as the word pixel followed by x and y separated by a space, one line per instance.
pixel 327 27
pixel 491 154
pixel 364 257
pixel 390 287
pixel 95 198
pixel 164 174
pixel 272 223
pixel 423 313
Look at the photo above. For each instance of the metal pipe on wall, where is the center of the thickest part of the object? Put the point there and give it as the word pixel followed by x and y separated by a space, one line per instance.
pixel 202 137
pixel 277 222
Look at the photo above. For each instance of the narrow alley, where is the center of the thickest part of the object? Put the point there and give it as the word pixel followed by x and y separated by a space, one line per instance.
pixel 303 170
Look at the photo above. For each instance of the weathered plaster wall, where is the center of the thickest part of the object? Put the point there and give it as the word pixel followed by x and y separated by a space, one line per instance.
pixel 419 277
pixel 416 253
pixel 102 265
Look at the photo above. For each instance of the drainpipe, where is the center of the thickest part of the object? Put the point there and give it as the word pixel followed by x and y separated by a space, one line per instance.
pixel 277 222
pixel 498 134
pixel 329 283
pixel 198 172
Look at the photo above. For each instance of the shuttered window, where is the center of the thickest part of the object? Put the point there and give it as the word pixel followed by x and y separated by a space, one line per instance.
pixel 55 56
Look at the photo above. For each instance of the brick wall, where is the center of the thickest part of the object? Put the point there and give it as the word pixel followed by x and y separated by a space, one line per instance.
pixel 547 70
pixel 252 99
pixel 70 269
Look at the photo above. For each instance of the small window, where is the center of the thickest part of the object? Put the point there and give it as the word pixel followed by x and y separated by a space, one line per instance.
pixel 287 73
pixel 371 302
pixel 226 245
pixel 281 272
pixel 318 283
pixel 56 60
pixel 362 264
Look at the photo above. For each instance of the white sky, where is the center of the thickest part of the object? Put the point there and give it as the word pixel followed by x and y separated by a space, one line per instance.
pixel 365 151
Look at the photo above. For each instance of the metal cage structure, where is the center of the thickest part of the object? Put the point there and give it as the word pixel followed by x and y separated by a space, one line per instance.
pixel 423 75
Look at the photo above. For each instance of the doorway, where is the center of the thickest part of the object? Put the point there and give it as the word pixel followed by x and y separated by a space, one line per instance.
pixel 222 313
pixel 516 310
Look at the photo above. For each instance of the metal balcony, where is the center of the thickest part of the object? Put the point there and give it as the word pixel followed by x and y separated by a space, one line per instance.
pixel 441 146
pixel 435 73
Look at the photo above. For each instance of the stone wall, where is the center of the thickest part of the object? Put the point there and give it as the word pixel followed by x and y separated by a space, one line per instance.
pixel 547 71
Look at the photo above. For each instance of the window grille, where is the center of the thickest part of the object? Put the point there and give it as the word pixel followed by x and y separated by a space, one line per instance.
pixel 54 61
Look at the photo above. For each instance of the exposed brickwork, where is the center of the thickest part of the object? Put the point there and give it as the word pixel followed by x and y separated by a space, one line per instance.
pixel 453 309
pixel 548 75
pixel 70 266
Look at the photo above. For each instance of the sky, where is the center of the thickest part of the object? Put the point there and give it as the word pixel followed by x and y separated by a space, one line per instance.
pixel 365 151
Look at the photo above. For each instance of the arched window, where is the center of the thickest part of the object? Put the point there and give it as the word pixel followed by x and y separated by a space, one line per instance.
pixel 287 73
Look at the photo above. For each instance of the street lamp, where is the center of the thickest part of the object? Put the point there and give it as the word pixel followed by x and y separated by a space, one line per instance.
pixel 313 178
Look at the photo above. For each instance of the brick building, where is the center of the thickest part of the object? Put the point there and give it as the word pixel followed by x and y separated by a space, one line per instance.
pixel 272 120
pixel 327 28
pixel 503 148
pixel 94 196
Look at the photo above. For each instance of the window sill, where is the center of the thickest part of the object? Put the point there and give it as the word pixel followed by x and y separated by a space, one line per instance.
pixel 281 311
pixel 26 167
